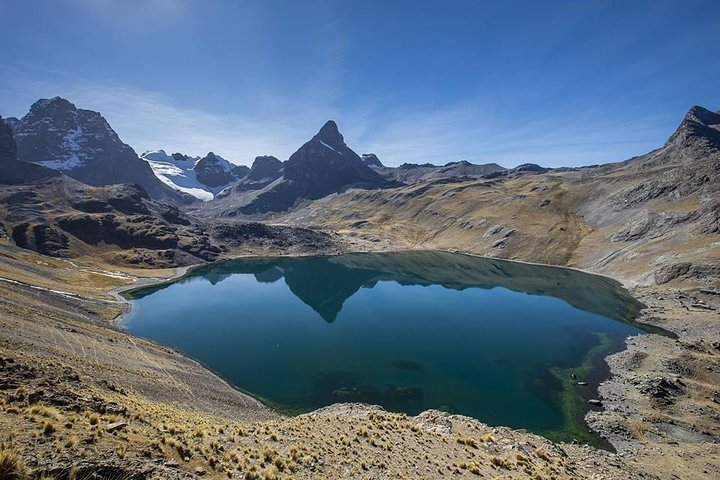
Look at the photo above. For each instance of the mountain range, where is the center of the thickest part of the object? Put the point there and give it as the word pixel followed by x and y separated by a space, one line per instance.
pixel 81 214
pixel 322 166
pixel 81 144
pixel 577 216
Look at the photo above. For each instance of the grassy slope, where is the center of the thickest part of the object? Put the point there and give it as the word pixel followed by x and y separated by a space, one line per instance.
pixel 460 216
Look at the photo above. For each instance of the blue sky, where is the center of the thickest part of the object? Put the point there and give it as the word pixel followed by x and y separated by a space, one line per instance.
pixel 549 82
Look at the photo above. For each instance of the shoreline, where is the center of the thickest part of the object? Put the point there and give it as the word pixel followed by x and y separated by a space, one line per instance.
pixel 181 272
pixel 127 306
pixel 655 438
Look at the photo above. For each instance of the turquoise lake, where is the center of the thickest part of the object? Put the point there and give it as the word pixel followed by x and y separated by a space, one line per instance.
pixel 495 340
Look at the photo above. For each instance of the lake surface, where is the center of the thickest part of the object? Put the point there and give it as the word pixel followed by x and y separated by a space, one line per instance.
pixel 495 340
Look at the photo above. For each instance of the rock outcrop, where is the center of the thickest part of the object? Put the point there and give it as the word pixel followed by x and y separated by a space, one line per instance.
pixel 265 170
pixel 265 167
pixel 11 169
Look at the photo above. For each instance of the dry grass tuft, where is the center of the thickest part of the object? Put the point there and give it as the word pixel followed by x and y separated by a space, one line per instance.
pixel 48 427
pixel 11 466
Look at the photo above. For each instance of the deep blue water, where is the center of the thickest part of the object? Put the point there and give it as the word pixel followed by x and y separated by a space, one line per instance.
pixel 410 331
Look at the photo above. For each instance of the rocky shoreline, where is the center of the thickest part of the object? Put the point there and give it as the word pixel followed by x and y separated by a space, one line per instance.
pixel 661 405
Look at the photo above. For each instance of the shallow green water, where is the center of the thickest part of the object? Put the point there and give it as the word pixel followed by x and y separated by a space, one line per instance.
pixel 409 331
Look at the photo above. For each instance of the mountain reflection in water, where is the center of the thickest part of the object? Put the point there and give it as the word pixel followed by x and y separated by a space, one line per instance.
pixel 325 283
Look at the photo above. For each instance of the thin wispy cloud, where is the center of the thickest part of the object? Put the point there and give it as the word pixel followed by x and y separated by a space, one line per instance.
pixel 150 121
pixel 490 83
pixel 472 131
pixel 441 137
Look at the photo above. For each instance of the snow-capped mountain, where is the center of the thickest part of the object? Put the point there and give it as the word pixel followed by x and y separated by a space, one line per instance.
pixel 82 145
pixel 202 178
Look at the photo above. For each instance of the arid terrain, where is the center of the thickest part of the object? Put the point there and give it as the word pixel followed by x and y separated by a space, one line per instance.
pixel 153 413
pixel 80 398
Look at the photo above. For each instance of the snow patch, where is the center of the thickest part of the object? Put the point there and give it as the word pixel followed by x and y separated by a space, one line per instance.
pixel 179 174
pixel 63 164
pixel 70 141
pixel 331 148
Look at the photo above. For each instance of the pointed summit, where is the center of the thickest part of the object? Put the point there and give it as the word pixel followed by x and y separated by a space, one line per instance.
pixel 326 150
pixel 702 115
pixel 330 134
pixel 700 126
pixel 322 166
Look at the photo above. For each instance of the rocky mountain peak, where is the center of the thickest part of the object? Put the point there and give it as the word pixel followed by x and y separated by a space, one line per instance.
pixel 64 137
pixel 464 163
pixel 699 129
pixel 214 171
pixel 702 115
pixel 330 135
pixel 265 166
pixel 55 104
pixel 371 160
pixel 11 169
pixel 210 158
pixel 325 150
pixel 320 167
pixel 529 167
pixel 80 143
